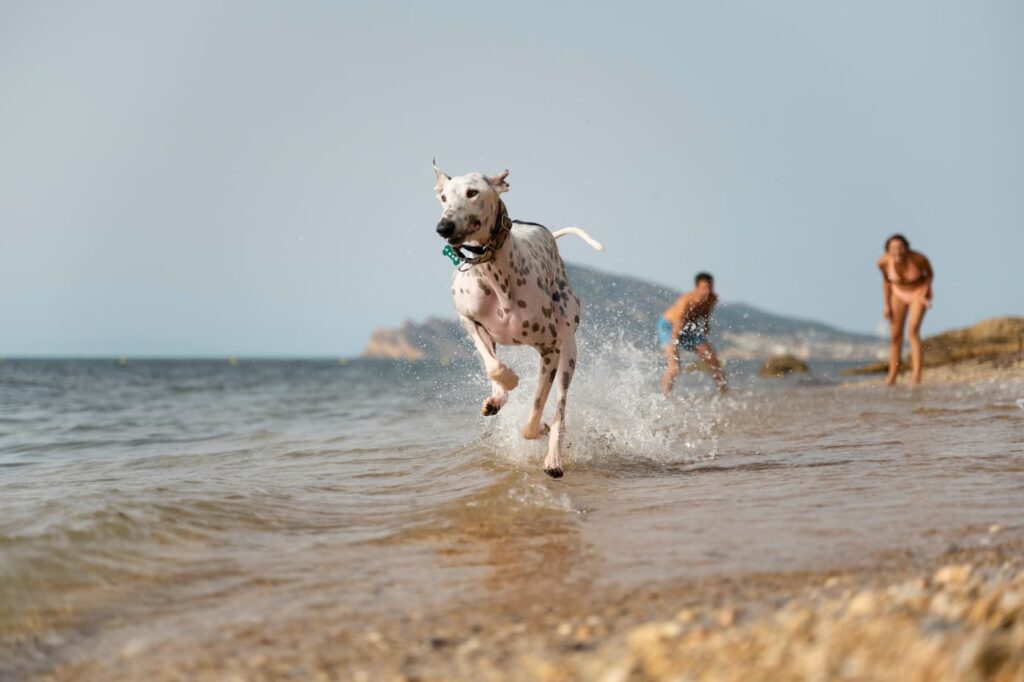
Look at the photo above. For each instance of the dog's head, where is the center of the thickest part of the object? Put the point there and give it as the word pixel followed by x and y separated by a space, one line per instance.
pixel 469 205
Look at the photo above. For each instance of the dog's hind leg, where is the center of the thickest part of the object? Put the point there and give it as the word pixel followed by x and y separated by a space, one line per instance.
pixel 548 367
pixel 503 379
pixel 566 368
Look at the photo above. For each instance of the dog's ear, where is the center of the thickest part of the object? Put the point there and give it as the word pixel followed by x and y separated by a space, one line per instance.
pixel 498 181
pixel 442 179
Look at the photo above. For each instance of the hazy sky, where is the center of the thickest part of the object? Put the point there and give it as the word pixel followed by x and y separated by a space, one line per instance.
pixel 250 178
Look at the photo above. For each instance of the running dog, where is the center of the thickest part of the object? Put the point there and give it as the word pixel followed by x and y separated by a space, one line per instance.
pixel 512 290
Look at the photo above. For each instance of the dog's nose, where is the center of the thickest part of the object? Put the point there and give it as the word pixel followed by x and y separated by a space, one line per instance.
pixel 446 228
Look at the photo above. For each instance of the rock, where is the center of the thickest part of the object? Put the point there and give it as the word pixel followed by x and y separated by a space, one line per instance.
pixel 686 616
pixel 781 365
pixel 988 340
pixel 864 604
pixel 953 574
pixel 911 594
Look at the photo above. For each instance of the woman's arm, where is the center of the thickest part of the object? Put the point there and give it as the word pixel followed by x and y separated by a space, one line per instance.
pixel 886 289
pixel 925 266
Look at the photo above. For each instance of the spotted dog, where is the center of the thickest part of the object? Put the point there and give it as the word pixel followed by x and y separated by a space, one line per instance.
pixel 512 290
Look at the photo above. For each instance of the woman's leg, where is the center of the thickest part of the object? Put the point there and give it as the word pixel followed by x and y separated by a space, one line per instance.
pixel 899 318
pixel 917 310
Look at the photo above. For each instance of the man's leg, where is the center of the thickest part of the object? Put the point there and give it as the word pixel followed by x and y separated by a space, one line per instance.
pixel 707 354
pixel 672 371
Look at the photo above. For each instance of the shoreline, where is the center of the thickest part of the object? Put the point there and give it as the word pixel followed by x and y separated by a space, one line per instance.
pixel 975 371
pixel 958 615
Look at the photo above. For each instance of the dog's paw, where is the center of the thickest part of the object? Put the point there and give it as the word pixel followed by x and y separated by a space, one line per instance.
pixel 533 434
pixel 505 377
pixel 490 407
pixel 554 472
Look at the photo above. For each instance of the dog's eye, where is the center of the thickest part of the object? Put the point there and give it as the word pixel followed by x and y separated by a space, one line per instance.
pixel 470 193
pixel 444 199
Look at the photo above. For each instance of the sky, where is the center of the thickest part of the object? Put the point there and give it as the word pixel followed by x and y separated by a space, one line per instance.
pixel 254 178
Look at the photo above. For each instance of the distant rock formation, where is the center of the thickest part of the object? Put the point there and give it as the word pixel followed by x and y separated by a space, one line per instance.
pixel 781 365
pixel 629 307
pixel 435 338
pixel 989 340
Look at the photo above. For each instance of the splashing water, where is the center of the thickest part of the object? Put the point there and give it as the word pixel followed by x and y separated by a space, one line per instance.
pixel 616 416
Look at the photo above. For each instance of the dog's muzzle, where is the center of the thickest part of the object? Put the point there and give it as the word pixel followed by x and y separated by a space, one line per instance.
pixel 446 228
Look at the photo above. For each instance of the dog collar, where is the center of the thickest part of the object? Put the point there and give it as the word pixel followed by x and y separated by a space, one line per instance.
pixel 485 253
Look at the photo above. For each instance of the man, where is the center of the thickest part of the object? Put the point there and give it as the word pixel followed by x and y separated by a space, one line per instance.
pixel 686 325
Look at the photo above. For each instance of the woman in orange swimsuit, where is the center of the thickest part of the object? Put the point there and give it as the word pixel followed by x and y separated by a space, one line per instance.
pixel 906 288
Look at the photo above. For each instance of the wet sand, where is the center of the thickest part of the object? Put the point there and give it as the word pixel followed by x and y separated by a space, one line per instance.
pixel 956 616
pixel 1002 369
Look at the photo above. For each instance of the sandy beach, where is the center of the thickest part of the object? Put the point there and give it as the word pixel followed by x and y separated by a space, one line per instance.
pixel 958 616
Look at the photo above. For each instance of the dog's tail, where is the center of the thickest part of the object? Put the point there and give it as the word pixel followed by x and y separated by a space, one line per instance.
pixel 582 234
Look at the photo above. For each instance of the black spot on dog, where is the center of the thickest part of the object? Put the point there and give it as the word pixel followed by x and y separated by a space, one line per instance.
pixel 551 377
pixel 555 296
pixel 565 381
pixel 521 303
pixel 535 326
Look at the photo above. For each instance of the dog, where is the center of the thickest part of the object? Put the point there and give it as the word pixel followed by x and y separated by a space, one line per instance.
pixel 512 291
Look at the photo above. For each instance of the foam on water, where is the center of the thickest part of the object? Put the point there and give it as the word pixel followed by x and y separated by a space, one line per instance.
pixel 616 415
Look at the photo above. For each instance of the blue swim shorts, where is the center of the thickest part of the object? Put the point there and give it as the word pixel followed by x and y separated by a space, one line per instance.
pixel 689 337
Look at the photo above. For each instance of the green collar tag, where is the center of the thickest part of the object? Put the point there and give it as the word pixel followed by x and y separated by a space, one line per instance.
pixel 450 252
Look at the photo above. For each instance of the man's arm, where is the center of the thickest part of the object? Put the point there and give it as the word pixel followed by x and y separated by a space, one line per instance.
pixel 682 305
pixel 707 318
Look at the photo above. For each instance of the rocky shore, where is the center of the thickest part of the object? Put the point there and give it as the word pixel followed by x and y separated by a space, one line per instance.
pixel 959 616
pixel 998 341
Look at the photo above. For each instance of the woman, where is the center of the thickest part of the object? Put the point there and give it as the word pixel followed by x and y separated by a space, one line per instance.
pixel 907 290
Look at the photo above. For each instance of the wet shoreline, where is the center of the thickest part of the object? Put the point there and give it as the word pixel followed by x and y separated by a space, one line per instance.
pixel 956 613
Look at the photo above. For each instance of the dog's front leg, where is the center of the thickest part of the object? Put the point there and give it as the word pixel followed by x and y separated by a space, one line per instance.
pixel 548 367
pixel 503 379
pixel 566 368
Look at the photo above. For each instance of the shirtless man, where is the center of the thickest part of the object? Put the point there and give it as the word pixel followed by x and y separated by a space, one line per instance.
pixel 686 325
pixel 907 293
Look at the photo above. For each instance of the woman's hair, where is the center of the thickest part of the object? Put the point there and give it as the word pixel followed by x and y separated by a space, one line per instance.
pixel 704 277
pixel 899 237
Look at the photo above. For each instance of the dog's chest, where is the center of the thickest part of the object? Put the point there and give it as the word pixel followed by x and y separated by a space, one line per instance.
pixel 520 297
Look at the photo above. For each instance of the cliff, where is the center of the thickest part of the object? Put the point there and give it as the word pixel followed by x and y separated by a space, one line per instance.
pixel 616 304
